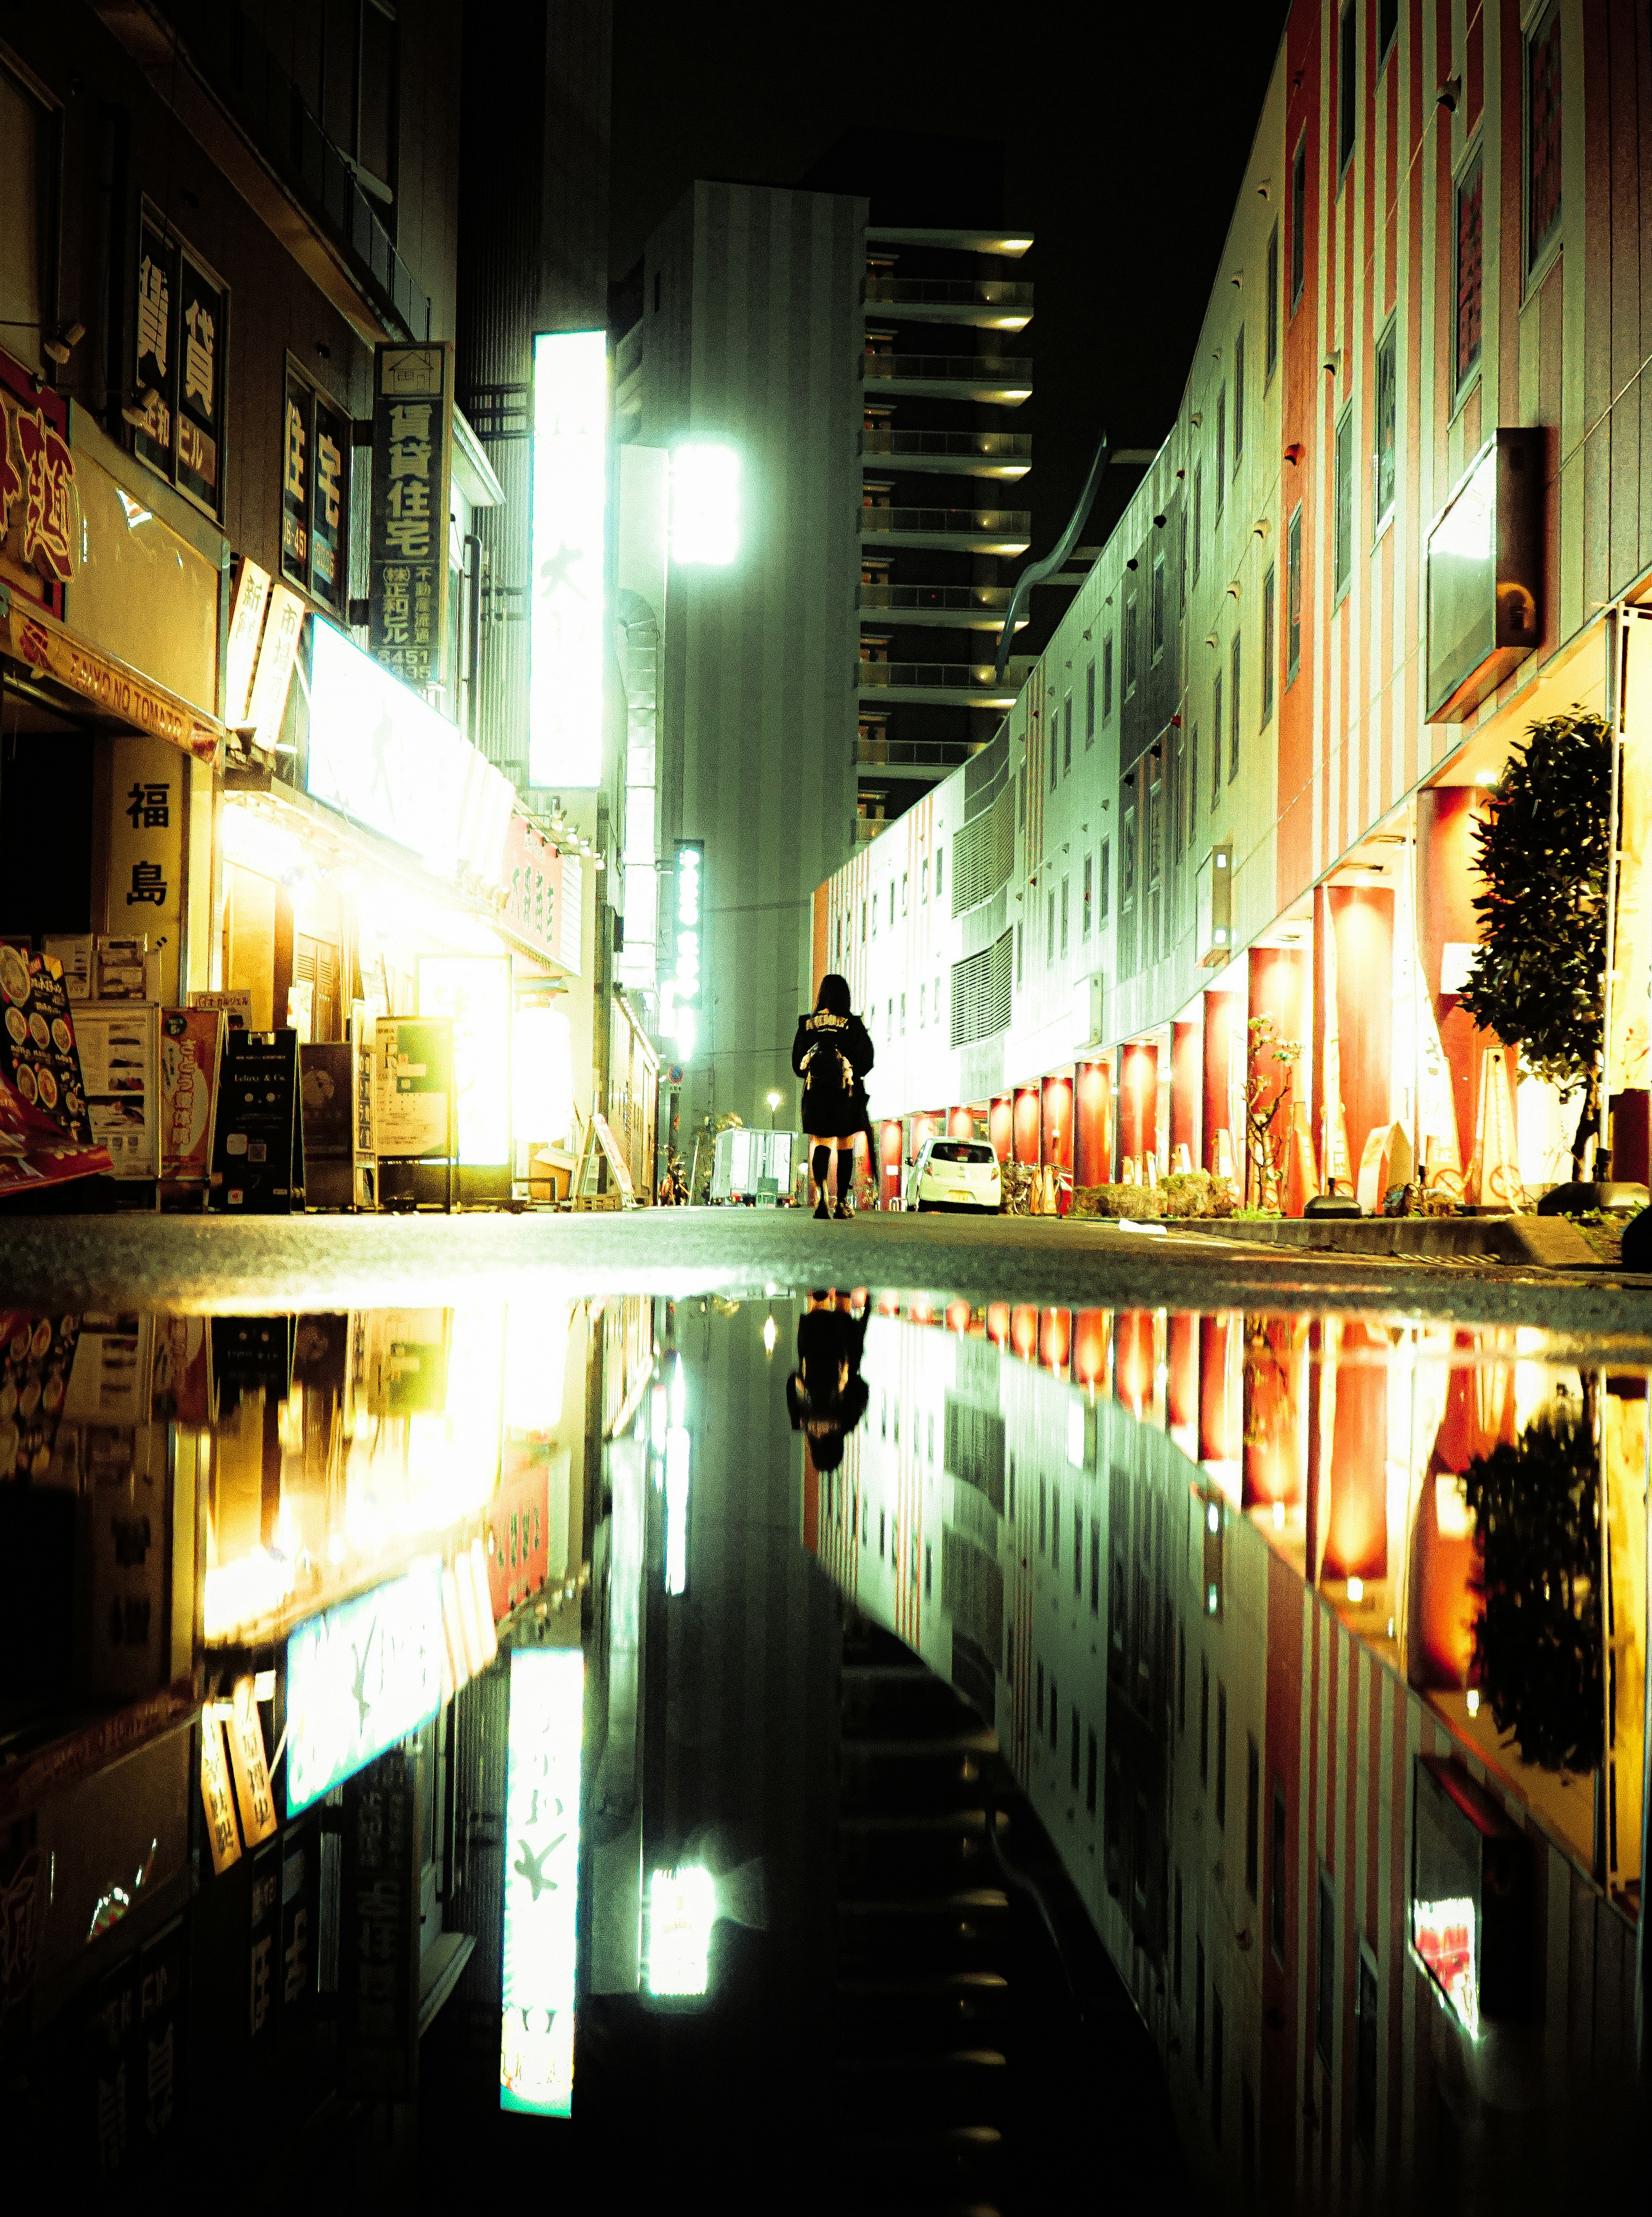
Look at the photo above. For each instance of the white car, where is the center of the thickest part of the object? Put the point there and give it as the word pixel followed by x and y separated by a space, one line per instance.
pixel 955 1173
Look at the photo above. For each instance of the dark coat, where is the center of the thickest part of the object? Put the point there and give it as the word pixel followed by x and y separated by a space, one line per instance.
pixel 832 1054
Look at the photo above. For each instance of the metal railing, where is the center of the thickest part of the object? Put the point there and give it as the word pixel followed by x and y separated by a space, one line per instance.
pixel 973 522
pixel 940 753
pixel 951 291
pixel 959 677
pixel 1007 370
pixel 938 599
pixel 977 445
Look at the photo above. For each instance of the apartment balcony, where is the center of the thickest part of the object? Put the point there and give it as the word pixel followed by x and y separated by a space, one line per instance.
pixel 867 829
pixel 1006 379
pixel 989 304
pixel 936 684
pixel 946 608
pixel 967 530
pixel 928 759
pixel 1004 455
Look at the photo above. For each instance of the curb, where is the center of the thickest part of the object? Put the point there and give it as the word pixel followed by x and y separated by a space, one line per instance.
pixel 1545 1243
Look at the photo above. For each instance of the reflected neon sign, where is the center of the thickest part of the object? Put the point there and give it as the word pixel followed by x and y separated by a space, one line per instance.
pixel 542 1880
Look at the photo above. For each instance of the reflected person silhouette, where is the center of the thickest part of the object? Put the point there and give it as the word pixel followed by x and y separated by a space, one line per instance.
pixel 825 1395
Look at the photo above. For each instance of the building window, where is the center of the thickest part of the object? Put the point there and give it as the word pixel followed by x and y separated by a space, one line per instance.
pixel 1388 395
pixel 1366 2038
pixel 1216 2064
pixel 1129 646
pixel 1088 889
pixel 1054 749
pixel 1095 1567
pixel 1049 934
pixel 181 346
pixel 1294 595
pixel 1089 707
pixel 1238 397
pixel 1198 516
pixel 1127 888
pixel 1270 309
pixel 1018 969
pixel 25 134
pixel 1176 1944
pixel 1470 271
pixel 1066 734
pixel 1021 800
pixel 923 995
pixel 922 879
pixel 1065 883
pixel 1217 729
pixel 1222 1756
pixel 1204 1721
pixel 1104 887
pixel 1267 645
pixel 1055 1528
pixel 1090 1761
pixel 1233 707
pixel 1106 677
pixel 1387 22
pixel 1276 1876
pixel 892 904
pixel 1252 1813
pixel 1298 221
pixel 1343 512
pixel 903 1016
pixel 1073 1775
pixel 1222 446
pixel 1040 1697
pixel 1156 607
pixel 1055 1707
pixel 940 857
pixel 1153 810
pixel 1325 1968
pixel 903 897
pixel 1348 48
pixel 1181 1679
pixel 1543 114
pixel 1198 2010
pixel 1177 792
pixel 862 923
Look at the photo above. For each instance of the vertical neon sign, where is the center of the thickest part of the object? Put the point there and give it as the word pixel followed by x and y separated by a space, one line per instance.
pixel 565 650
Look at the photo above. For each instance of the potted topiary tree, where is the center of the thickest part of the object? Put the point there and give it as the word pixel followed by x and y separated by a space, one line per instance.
pixel 1535 982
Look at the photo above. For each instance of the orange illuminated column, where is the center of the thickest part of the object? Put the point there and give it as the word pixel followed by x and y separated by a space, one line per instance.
pixel 1443 1598
pixel 998 1322
pixel 1057 1122
pixel 1358 922
pixel 1023 1332
pixel 1092 1118
pixel 1222 1129
pixel 889 1148
pixel 1132 1360
pixel 960 1123
pixel 1000 1122
pixel 1090 1337
pixel 1448 927
pixel 957 1315
pixel 1356 1516
pixel 1027 1110
pixel 1281 987
pixel 1276 1410
pixel 926 1125
pixel 1220 1394
pixel 1182 1363
pixel 1138 1103
pixel 1055 1339
pixel 1187 1090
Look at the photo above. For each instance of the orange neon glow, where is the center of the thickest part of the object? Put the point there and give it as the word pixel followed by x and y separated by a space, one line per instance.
pixel 960 1123
pixel 957 1315
pixel 1133 1359
pixel 1055 1338
pixel 1001 1124
pixel 1090 1338
pixel 1023 1332
pixel 998 1322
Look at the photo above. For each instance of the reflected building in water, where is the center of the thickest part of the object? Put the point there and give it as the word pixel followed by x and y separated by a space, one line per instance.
pixel 1218 1585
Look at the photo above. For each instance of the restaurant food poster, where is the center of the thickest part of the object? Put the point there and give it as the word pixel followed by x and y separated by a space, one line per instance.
pixel 412 470
pixel 191 1043
pixel 37 1354
pixel 181 1380
pixel 47 1132
pixel 120 1052
pixel 414 1103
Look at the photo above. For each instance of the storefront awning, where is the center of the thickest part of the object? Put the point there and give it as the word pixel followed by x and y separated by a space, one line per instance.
pixel 52 652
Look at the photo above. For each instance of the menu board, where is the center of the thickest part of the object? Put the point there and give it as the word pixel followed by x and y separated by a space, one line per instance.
pixel 414 1104
pixel 119 1055
pixel 45 1130
pixel 191 1042
pixel 258 1141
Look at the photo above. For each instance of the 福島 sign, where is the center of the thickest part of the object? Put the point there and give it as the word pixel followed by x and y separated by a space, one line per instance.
pixel 412 472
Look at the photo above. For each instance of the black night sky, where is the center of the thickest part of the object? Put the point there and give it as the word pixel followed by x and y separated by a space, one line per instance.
pixel 1120 134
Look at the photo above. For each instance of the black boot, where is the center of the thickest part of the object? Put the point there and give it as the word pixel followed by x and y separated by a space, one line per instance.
pixel 845 1180
pixel 820 1164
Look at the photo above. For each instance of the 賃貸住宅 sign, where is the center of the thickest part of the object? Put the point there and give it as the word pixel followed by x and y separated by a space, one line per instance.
pixel 412 473
pixel 39 509
pixel 315 494
pixel 181 332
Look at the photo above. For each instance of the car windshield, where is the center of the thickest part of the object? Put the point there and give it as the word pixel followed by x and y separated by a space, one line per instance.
pixel 960 1151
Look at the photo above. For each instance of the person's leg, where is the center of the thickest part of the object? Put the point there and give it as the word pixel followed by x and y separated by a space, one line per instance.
pixel 846 1174
pixel 820 1164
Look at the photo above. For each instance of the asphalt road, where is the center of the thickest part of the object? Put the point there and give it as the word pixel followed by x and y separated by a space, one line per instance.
pixel 316 1262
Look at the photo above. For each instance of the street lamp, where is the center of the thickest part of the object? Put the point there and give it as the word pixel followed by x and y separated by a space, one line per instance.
pixel 774 1103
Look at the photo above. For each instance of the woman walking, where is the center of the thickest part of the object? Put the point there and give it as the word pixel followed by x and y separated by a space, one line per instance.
pixel 831 1053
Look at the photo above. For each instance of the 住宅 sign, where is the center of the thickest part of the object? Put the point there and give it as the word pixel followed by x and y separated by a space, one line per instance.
pixel 39 511
pixel 412 473
pixel 183 313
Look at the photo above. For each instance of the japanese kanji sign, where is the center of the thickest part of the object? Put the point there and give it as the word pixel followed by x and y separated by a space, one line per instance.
pixel 379 1929
pixel 182 327
pixel 315 494
pixel 39 508
pixel 147 820
pixel 412 464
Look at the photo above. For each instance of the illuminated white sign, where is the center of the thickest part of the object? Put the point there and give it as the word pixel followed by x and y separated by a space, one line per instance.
pixel 380 755
pixel 1443 1933
pixel 566 649
pixel 679 1015
pixel 359 1678
pixel 678 1453
pixel 682 1910
pixel 475 990
pixel 705 505
pixel 542 1880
